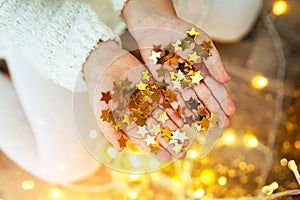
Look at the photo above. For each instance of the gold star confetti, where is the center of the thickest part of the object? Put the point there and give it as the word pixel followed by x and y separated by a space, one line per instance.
pixel 193 33
pixel 176 84
pixel 177 147
pixel 197 78
pixel 141 85
pixel 166 134
pixel 161 72
pixel 172 75
pixel 163 117
pixel 176 45
pixel 126 119
pixel 107 115
pixel 193 57
pixel 213 117
pixel 106 97
pixel 154 56
pixel 202 111
pixel 126 83
pixel 142 130
pixel 180 75
pixel 150 140
pixel 207 45
pixel 146 75
pixel 177 135
pixel 155 129
pixel 204 123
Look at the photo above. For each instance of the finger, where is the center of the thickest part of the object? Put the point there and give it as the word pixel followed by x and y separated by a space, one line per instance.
pixel 173 115
pixel 219 92
pixel 214 63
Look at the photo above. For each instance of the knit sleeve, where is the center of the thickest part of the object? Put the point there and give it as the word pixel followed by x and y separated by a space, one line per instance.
pixel 59 34
pixel 118 5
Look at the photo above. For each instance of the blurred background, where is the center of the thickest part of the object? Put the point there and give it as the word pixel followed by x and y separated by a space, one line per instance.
pixel 256 158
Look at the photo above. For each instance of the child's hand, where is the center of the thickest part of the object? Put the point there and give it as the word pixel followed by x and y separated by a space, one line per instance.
pixel 106 66
pixel 154 24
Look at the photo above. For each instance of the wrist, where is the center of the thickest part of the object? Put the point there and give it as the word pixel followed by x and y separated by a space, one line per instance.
pixel 147 14
pixel 98 59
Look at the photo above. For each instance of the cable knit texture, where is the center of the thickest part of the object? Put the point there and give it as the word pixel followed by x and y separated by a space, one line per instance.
pixel 118 5
pixel 60 34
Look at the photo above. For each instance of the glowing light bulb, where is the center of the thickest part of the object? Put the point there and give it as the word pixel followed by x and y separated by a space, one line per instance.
pixel 208 177
pixel 56 194
pixel 28 185
pixel 111 152
pixel 222 180
pixel 269 189
pixel 279 7
pixel 199 193
pixel 229 137
pixel 251 141
pixel 132 195
pixel 193 153
pixel 259 82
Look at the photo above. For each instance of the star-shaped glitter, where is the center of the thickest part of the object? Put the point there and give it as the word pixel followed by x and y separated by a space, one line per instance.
pixel 196 78
pixel 161 72
pixel 180 75
pixel 126 83
pixel 155 129
pixel 185 44
pixel 154 56
pixel 204 123
pixel 176 45
pixel 142 130
pixel 106 97
pixel 141 86
pixel 185 83
pixel 193 57
pixel 166 134
pixel 176 84
pixel 107 115
pixel 172 75
pixel 150 140
pixel 213 117
pixel 146 75
pixel 193 103
pixel 193 33
pixel 202 111
pixel 197 126
pixel 207 45
pixel 177 147
pixel 177 135
pixel 163 117
pixel 126 119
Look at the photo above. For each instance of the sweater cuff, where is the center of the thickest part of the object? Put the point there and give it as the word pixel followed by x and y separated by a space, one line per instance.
pixel 118 5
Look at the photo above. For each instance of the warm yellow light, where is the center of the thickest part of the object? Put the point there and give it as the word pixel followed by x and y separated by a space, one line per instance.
pixel 193 153
pixel 251 141
pixel 283 162
pixel 177 181
pixel 279 7
pixel 222 180
pixel 269 189
pixel 132 195
pixel 111 152
pixel 207 177
pixel 56 194
pixel 229 137
pixel 199 193
pixel 259 82
pixel 28 185
pixel 292 165
pixel 134 177
pixel 186 165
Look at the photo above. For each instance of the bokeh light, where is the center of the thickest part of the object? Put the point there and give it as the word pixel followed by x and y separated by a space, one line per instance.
pixel 222 180
pixel 193 153
pixel 279 7
pixel 28 185
pixel 199 193
pixel 56 194
pixel 251 141
pixel 259 82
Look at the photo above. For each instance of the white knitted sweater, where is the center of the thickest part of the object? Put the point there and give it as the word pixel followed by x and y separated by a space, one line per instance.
pixel 58 33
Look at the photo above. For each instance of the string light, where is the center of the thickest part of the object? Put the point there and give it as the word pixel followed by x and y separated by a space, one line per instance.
pixel 259 82
pixel 208 177
pixel 228 137
pixel 28 185
pixel 56 194
pixel 199 193
pixel 193 153
pixel 292 165
pixel 222 180
pixel 269 189
pixel 251 141
pixel 279 7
